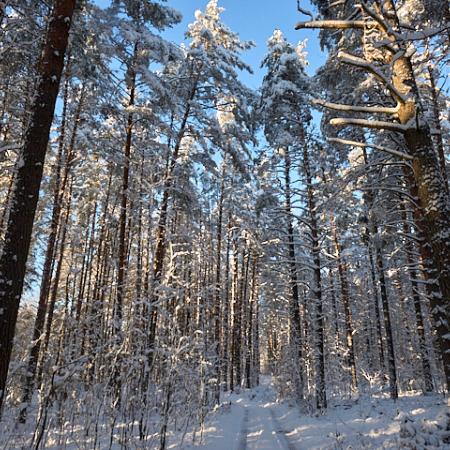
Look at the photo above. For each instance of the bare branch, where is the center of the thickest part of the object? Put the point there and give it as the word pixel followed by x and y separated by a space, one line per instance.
pixel 376 147
pixel 355 108
pixel 375 124
pixel 304 11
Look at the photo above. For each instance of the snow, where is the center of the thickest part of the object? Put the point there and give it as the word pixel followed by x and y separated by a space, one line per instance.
pixel 255 419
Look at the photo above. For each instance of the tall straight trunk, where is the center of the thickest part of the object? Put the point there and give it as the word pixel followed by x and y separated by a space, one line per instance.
pixel 61 178
pixel 28 180
pixel 84 305
pixel 256 350
pixel 100 270
pixel 249 361
pixel 431 187
pixel 54 288
pixel 118 311
pixel 376 299
pixel 413 277
pixel 436 229
pixel 295 325
pixel 244 308
pixel 237 317
pixel 437 125
pixel 160 248
pixel 335 310
pixel 345 295
pixel 432 284
pixel 48 260
pixel 226 312
pixel 217 293
pixel 432 192
pixel 393 390
pixel 367 237
pixel 235 307
pixel 321 396
pixel 138 310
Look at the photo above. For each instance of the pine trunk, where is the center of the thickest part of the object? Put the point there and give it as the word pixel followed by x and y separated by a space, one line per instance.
pixel 321 397
pixel 393 390
pixel 28 180
pixel 345 295
pixel 295 325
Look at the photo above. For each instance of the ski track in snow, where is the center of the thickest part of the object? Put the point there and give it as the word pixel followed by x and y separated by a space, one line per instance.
pixel 253 425
pixel 281 432
pixel 255 420
pixel 264 431
pixel 244 432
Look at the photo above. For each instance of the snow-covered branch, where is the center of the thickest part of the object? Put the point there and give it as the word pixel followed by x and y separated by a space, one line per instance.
pixel 374 146
pixel 356 61
pixel 355 108
pixel 374 124
pixel 335 24
pixel 381 23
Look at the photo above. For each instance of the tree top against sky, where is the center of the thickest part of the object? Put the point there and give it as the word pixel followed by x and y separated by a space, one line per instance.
pixel 253 20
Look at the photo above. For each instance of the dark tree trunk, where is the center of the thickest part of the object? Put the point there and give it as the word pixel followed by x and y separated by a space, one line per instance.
pixel 437 124
pixel 345 295
pixel 387 324
pixel 413 275
pixel 217 293
pixel 118 312
pixel 226 311
pixel 28 180
pixel 295 325
pixel 321 396
pixel 54 289
pixel 441 319
pixel 250 362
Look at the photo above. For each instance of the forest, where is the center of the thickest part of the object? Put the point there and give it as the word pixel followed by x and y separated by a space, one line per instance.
pixel 187 261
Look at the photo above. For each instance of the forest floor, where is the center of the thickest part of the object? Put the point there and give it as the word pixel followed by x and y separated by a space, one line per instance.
pixel 255 419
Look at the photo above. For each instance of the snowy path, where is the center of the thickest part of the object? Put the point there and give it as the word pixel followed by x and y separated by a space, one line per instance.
pixel 254 423
pixel 254 420
pixel 264 430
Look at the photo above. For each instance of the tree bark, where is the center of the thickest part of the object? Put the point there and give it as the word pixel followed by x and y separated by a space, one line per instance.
pixel 28 180
pixel 118 311
pixel 295 325
pixel 413 276
pixel 393 389
pixel 321 396
pixel 217 292
pixel 437 125
pixel 345 294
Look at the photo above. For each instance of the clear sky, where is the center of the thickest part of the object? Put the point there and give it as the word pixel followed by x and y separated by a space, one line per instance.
pixel 253 20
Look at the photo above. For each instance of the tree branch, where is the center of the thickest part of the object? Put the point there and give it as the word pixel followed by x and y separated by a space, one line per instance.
pixel 304 11
pixel 375 124
pixel 335 24
pixel 355 108
pixel 376 147
pixel 353 60
pixel 379 20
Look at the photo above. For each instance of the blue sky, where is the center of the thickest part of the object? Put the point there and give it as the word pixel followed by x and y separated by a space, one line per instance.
pixel 253 20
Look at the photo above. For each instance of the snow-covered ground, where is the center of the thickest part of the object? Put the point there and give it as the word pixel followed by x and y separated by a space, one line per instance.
pixel 256 420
